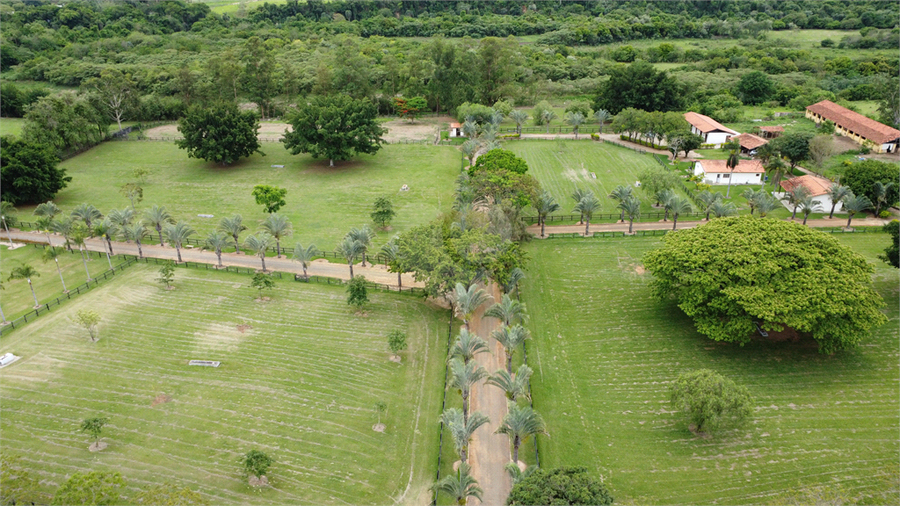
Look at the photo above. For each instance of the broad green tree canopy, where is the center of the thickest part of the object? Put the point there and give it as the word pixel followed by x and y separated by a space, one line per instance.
pixel 29 172
pixel 335 127
pixel 565 485
pixel 732 272
pixel 219 133
pixel 861 177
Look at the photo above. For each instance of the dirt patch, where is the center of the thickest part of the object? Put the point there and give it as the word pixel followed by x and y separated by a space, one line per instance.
pixel 639 269
pixel 361 314
pixel 379 427
pixel 263 299
pixel 423 129
pixel 98 446
pixel 260 481
pixel 161 399
pixel 273 131
pixel 395 358
pixel 244 327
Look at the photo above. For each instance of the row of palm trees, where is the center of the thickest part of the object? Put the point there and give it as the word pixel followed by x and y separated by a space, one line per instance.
pixel 520 422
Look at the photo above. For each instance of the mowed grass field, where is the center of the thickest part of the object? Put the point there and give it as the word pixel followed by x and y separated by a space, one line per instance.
pixel 561 172
pixel 11 126
pixel 16 296
pixel 322 203
pixel 299 379
pixel 604 353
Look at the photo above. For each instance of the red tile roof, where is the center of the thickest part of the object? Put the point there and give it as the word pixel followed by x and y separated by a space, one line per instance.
pixel 749 141
pixel 455 125
pixel 706 124
pixel 772 128
pixel 855 122
pixel 816 185
pixel 743 166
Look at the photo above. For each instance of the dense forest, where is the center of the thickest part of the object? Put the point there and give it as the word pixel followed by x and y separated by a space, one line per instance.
pixel 162 57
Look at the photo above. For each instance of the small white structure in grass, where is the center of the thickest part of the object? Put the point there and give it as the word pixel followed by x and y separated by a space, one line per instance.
pixel 456 130
pixel 717 172
pixel 7 359
pixel 816 186
pixel 404 188
pixel 709 129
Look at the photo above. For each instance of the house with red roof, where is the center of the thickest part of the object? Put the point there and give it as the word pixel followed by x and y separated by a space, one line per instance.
pixel 709 129
pixel 749 143
pixel 717 172
pixel 456 130
pixel 817 187
pixel 865 131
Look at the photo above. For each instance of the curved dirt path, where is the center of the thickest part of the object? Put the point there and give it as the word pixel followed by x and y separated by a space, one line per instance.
pixel 489 453
pixel 375 273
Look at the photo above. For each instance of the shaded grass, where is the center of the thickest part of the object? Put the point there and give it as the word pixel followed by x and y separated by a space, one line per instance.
pixel 604 353
pixel 322 203
pixel 11 126
pixel 299 384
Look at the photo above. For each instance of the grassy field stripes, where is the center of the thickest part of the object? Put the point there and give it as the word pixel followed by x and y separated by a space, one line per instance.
pixel 299 379
pixel 604 353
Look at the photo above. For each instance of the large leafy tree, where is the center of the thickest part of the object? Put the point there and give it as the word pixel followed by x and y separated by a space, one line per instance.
pixel 793 146
pixel 564 485
pixel 95 487
pixel 219 133
pixel 641 86
pixel 29 172
pixel 892 253
pixel 711 401
pixel 755 88
pixel 861 177
pixel 334 127
pixel 66 121
pixel 733 272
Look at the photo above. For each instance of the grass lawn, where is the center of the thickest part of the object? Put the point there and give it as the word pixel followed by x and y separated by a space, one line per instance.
pixel 560 172
pixel 299 378
pixel 11 126
pixel 322 203
pixel 604 353
pixel 17 299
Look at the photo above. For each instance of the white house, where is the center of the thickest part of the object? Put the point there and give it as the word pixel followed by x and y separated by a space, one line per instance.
pixel 711 130
pixel 818 187
pixel 863 130
pixel 716 172
pixel 456 130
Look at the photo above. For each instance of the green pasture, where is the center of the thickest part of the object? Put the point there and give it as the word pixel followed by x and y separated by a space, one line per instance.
pixel 16 297
pixel 322 203
pixel 561 172
pixel 299 377
pixel 604 353
pixel 11 126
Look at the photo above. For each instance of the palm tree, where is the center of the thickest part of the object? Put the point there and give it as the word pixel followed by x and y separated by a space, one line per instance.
pixel 48 210
pixel 88 214
pixel 576 119
pixel 507 310
pixel 602 116
pixel 577 195
pixel 467 345
pixel 470 128
pixel 305 256
pixel 259 245
pixel 707 198
pixel 796 196
pixel 619 194
pixel 64 227
pixel 520 117
pixel 764 203
pixel 731 163
pixel 278 226
pixel 217 241
pixel 122 218
pixel 467 300
pixel 544 205
pixel 470 149
pixel 516 385
pixel 27 272
pixel 586 206
pixel 460 486
pixel 52 253
pixel 515 276
pixel 808 205
pixel 722 209
pixel 547 116
pixel 855 204
pixel 510 338
pixel 363 236
pixel 7 214
pixel 177 234
pixel 519 424
pixel 663 197
pixel 105 229
pixel 632 207
pixel 79 233
pixel 158 217
pixel 349 248
pixel 837 193
pixel 750 195
pixel 137 231
pixel 463 375
pixel 390 252
pixel 679 205
pixel 777 168
pixel 461 429
pixel 233 226
pixel 880 191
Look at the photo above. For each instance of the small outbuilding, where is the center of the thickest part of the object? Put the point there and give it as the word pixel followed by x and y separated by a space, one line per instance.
pixel 771 132
pixel 749 143
pixel 709 129
pixel 456 130
pixel 816 186
pixel 717 172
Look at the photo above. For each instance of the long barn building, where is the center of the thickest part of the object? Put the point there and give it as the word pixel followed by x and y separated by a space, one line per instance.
pixel 881 138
